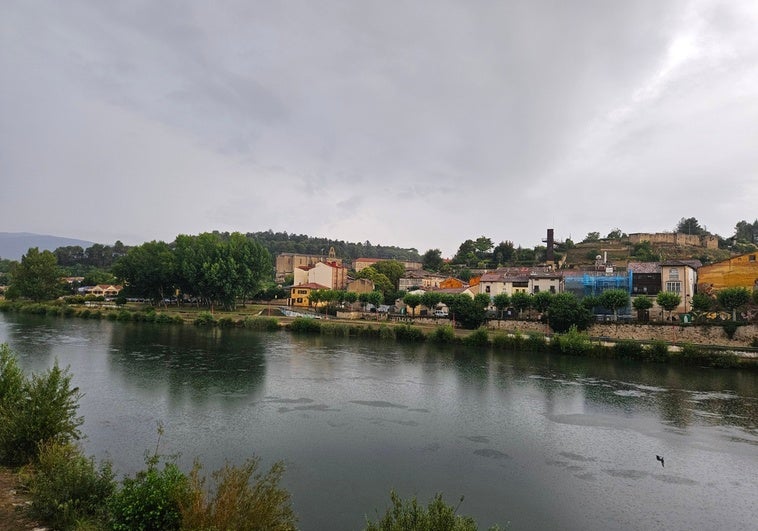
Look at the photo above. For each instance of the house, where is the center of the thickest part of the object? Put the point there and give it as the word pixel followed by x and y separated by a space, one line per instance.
pixel 104 290
pixel 451 283
pixel 419 278
pixel 510 280
pixel 680 277
pixel 287 262
pixel 737 271
pixel 300 295
pixel 360 285
pixel 646 277
pixel 330 274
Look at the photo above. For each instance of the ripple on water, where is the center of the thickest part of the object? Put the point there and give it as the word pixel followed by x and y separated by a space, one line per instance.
pixel 491 453
pixel 378 403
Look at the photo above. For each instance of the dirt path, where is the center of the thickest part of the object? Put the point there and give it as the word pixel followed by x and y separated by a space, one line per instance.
pixel 11 500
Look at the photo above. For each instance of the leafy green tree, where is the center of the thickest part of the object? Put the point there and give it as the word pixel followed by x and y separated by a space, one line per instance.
pixel 466 311
pixel 591 237
pixel 668 301
pixel 376 298
pixel 148 270
pixel 701 303
pixel 412 300
pixel 381 281
pixel 641 304
pixel 37 275
pixel 746 232
pixel 431 299
pixel 410 516
pixel 565 311
pixel 644 252
pixel 521 301
pixel 392 269
pixel 541 301
pixel 690 226
pixel 731 299
pixel 590 302
pixel 613 299
pixel 501 302
pixel 616 234
pixel 482 300
pixel 351 297
pixel 432 260
pixel 502 253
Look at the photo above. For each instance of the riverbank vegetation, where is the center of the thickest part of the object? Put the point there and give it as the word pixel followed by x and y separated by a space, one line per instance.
pixel 39 428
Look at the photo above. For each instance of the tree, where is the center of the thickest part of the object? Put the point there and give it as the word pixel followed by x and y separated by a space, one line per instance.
pixel 376 298
pixel 746 232
pixel 565 311
pixel 148 270
pixel 502 253
pixel 432 260
pixel 590 302
pixel 431 299
pixel 482 300
pixel 541 301
pixel 613 299
pixel 380 280
pixel 466 311
pixel 615 234
pixel 733 298
pixel 392 269
pixel 641 304
pixel 701 302
pixel 412 300
pixel 501 302
pixel 591 237
pixel 668 301
pixel 643 252
pixel 690 226
pixel 37 275
pixel 521 301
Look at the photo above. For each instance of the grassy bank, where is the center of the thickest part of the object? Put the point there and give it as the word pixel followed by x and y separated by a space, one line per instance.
pixel 571 343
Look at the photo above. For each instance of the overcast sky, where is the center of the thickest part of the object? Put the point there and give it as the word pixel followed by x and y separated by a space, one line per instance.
pixel 411 123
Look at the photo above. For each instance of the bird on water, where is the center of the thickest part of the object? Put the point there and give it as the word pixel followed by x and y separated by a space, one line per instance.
pixel 660 458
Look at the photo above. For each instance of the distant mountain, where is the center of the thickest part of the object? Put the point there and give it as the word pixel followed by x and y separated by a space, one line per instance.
pixel 15 244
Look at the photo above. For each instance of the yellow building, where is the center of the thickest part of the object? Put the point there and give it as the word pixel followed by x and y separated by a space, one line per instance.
pixel 300 295
pixel 737 271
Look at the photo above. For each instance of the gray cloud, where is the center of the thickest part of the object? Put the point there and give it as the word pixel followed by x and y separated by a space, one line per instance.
pixel 397 122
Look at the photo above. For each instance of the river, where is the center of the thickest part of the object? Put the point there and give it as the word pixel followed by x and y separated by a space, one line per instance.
pixel 537 440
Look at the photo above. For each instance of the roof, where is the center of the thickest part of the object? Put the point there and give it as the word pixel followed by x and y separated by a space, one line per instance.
pixel 694 264
pixel 640 268
pixel 311 285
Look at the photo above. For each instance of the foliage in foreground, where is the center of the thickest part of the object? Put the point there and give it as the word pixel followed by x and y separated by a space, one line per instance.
pixel 67 490
pixel 244 500
pixel 410 516
pixel 34 410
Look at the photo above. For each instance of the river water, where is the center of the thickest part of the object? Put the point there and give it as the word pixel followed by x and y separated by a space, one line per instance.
pixel 540 441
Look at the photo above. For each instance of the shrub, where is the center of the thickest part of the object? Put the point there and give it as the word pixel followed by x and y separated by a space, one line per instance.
pixel 410 516
pixel 44 409
pixel 305 325
pixel 335 329
pixel 67 488
pixel 573 342
pixel 627 348
pixel 409 333
pixel 730 327
pixel 443 334
pixel 385 332
pixel 124 315
pixel 243 500
pixel 261 323
pixel 226 322
pixel 658 351
pixel 506 341
pixel 535 342
pixel 150 500
pixel 205 319
pixel 478 338
pixel 84 314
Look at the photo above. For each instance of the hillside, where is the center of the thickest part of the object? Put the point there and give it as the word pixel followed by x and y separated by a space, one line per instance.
pixel 15 244
pixel 619 253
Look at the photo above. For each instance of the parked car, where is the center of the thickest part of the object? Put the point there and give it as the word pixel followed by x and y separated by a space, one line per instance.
pixel 440 313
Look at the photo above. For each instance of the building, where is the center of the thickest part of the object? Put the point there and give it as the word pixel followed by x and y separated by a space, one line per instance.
pixel 646 277
pixel 287 262
pixel 300 295
pixel 676 238
pixel 419 278
pixel 329 274
pixel 735 272
pixel 510 280
pixel 680 277
pixel 360 285
pixel 362 263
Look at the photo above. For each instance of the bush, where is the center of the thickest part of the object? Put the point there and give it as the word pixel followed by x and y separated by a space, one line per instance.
pixel 629 349
pixel 150 500
pixel 573 342
pixel 536 342
pixel 226 322
pixel 305 325
pixel 205 319
pixel 261 323
pixel 730 327
pixel 42 409
pixel 335 329
pixel 243 500
pixel 124 315
pixel 505 341
pixel 410 516
pixel 409 333
pixel 658 351
pixel 443 334
pixel 479 338
pixel 67 489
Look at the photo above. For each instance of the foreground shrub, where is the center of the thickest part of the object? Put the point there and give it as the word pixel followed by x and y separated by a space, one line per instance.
pixel 505 341
pixel 410 516
pixel 67 490
pixel 43 409
pixel 658 351
pixel 226 322
pixel 243 500
pixel 150 500
pixel 442 334
pixel 536 342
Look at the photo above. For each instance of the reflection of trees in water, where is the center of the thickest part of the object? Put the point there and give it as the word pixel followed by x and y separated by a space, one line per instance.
pixel 197 362
pixel 32 337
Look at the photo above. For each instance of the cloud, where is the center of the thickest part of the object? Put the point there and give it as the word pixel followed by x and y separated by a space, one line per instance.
pixel 399 123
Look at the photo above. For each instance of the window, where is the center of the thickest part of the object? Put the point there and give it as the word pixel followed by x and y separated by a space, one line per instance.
pixel 536 289
pixel 552 289
pixel 486 289
pixel 751 258
pixel 675 287
pixel 674 273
